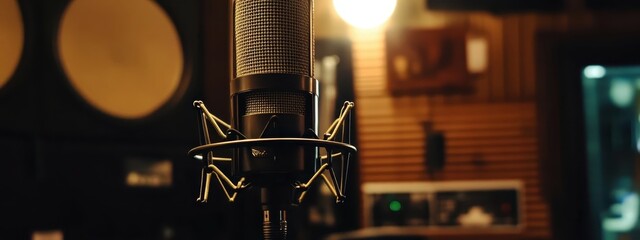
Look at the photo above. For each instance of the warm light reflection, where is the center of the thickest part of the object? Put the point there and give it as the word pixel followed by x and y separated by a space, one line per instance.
pixel 144 173
pixel 122 57
pixel 11 39
pixel 365 13
pixel 47 235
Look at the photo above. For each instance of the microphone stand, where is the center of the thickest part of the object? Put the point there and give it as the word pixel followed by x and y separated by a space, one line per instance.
pixel 275 201
pixel 276 190
pixel 274 213
pixel 274 224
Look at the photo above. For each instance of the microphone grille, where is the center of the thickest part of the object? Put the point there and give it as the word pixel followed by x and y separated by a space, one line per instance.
pixel 275 102
pixel 273 36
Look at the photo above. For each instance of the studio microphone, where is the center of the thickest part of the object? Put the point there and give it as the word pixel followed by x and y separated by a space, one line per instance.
pixel 274 127
pixel 274 95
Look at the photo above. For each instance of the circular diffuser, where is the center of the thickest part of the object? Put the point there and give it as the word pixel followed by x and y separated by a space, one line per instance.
pixel 11 39
pixel 123 57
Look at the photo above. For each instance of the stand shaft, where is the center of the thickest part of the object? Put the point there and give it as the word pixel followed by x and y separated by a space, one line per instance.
pixel 274 225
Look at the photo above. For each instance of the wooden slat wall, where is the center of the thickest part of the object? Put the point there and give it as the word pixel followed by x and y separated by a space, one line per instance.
pixel 490 135
pixel 495 141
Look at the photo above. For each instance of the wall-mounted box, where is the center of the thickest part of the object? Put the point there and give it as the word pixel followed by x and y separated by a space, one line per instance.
pixel 427 61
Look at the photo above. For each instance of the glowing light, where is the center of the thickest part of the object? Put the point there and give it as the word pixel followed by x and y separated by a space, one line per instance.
pixel 627 211
pixel 365 13
pixel 621 92
pixel 594 71
pixel 395 206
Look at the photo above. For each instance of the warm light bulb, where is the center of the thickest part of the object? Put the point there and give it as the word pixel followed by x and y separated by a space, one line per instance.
pixel 365 13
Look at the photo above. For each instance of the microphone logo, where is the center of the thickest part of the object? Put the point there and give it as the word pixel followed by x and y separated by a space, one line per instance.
pixel 259 153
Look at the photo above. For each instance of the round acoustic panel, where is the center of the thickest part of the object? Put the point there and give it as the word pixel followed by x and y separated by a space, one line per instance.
pixel 11 39
pixel 123 57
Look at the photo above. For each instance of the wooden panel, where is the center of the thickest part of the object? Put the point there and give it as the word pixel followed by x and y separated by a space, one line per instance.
pixel 512 57
pixel 488 137
pixel 496 73
pixel 527 49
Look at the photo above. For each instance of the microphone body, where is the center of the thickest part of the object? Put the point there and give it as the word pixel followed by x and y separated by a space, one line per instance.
pixel 274 106
pixel 274 95
pixel 274 125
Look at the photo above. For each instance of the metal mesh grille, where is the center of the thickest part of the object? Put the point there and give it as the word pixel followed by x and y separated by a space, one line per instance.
pixel 273 36
pixel 275 103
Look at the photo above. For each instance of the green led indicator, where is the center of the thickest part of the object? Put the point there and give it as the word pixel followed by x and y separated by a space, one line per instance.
pixel 395 206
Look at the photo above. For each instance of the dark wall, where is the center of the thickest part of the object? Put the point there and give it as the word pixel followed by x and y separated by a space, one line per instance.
pixel 65 163
pixel 564 165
